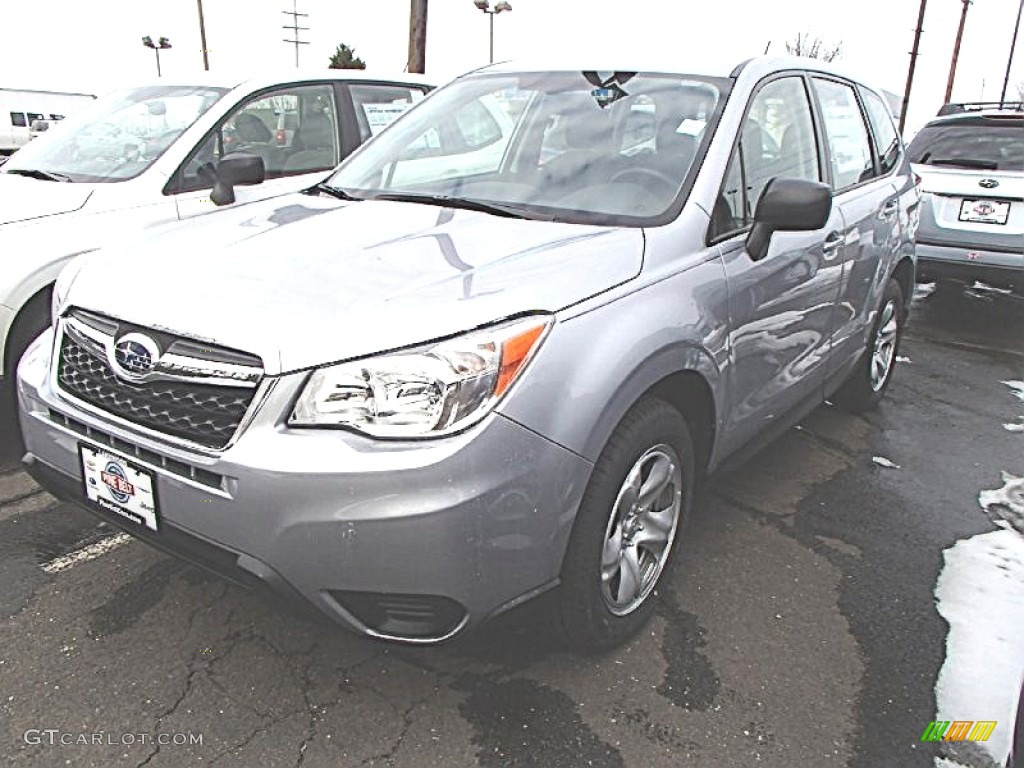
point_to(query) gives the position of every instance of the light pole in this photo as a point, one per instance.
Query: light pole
(162, 44)
(485, 6)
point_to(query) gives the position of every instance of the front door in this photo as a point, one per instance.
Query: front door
(781, 307)
(293, 128)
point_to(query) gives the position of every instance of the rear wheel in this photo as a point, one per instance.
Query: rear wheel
(870, 379)
(628, 527)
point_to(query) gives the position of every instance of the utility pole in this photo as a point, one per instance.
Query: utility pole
(1009, 61)
(913, 64)
(956, 50)
(417, 36)
(202, 37)
(295, 28)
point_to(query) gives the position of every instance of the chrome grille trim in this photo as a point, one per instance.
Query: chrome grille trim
(96, 334)
(172, 365)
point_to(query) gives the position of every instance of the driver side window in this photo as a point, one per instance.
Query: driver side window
(294, 130)
(777, 140)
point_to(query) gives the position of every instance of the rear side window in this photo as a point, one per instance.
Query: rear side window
(848, 142)
(988, 144)
(377, 106)
(887, 141)
(18, 120)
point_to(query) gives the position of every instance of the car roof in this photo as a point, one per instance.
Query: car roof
(980, 117)
(758, 66)
(260, 80)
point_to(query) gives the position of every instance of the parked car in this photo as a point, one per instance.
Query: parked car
(971, 164)
(145, 156)
(37, 128)
(415, 405)
(20, 109)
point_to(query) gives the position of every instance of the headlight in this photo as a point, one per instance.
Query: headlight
(423, 392)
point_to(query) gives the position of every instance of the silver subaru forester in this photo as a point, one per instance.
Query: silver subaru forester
(490, 355)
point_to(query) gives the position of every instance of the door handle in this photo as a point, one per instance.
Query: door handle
(833, 242)
(889, 208)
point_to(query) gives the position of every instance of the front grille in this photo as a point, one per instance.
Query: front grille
(206, 414)
(179, 468)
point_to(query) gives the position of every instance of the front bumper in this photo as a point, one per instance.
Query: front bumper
(412, 540)
(998, 268)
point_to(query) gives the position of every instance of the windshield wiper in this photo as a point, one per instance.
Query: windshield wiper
(966, 162)
(334, 191)
(35, 173)
(496, 209)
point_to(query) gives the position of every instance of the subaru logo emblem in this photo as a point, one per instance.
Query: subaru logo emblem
(135, 355)
(988, 183)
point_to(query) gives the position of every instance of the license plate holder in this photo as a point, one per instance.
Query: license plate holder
(984, 211)
(119, 486)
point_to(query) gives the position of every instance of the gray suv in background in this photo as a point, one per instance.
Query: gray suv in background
(971, 164)
(494, 353)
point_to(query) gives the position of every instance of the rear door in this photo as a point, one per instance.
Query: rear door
(868, 201)
(781, 307)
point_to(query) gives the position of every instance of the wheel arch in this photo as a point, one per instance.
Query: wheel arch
(35, 308)
(904, 275)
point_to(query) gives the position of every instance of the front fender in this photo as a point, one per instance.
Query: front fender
(597, 363)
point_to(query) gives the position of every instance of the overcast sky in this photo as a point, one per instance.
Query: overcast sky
(95, 46)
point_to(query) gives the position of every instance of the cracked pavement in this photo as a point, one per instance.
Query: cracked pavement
(800, 629)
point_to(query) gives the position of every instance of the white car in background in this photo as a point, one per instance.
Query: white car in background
(146, 156)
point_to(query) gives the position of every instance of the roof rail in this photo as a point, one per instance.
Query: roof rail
(956, 108)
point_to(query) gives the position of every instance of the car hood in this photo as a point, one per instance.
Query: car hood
(304, 280)
(23, 198)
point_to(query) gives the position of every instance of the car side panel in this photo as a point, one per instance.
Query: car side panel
(612, 349)
(872, 245)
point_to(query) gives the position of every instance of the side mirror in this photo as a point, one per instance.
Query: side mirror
(235, 170)
(788, 205)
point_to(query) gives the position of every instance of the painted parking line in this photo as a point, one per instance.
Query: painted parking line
(85, 554)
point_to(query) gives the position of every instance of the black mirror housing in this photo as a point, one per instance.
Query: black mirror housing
(788, 205)
(234, 170)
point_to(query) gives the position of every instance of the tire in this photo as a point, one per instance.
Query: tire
(870, 379)
(595, 613)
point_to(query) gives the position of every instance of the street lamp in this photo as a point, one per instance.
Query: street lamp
(161, 44)
(485, 6)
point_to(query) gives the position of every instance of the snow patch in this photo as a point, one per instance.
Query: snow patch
(884, 462)
(1006, 503)
(980, 593)
(980, 286)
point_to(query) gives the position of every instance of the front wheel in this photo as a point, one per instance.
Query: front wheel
(870, 379)
(628, 527)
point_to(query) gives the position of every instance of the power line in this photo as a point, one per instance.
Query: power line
(295, 28)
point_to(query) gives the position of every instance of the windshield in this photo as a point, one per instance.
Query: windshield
(588, 147)
(983, 144)
(115, 138)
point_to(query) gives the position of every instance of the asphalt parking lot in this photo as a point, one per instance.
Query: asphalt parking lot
(803, 628)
